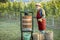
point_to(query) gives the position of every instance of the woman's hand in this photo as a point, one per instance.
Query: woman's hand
(40, 20)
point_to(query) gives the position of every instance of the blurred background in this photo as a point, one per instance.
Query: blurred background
(10, 17)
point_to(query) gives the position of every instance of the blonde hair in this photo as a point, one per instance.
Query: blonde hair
(38, 4)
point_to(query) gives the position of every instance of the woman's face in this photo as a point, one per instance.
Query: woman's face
(38, 7)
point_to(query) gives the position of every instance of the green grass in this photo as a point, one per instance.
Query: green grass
(10, 30)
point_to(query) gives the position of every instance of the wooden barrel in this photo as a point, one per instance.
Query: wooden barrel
(27, 22)
(49, 35)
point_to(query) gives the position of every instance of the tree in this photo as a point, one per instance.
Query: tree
(3, 1)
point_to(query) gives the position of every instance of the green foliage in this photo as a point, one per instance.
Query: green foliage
(31, 6)
(11, 8)
(3, 1)
(51, 7)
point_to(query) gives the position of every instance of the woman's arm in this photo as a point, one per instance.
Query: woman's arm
(43, 15)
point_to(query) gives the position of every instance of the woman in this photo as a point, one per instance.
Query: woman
(41, 18)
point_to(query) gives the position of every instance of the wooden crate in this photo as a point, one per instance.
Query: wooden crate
(27, 23)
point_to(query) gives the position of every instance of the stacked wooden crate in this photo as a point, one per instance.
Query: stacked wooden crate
(27, 23)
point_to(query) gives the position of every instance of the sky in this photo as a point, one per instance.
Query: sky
(29, 0)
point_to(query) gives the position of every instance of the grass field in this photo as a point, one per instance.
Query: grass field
(10, 30)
